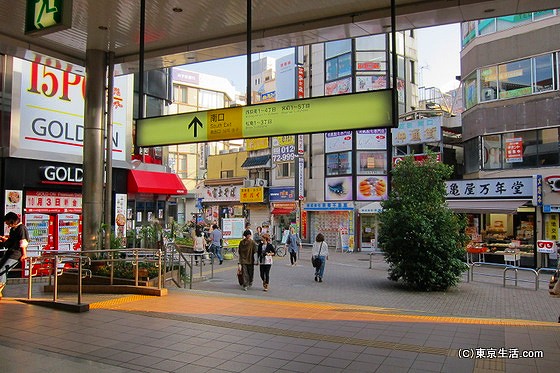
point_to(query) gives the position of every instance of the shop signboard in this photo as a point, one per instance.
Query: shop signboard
(251, 194)
(221, 193)
(338, 141)
(281, 194)
(374, 139)
(546, 246)
(417, 131)
(490, 188)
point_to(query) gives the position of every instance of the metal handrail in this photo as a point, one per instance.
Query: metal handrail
(515, 268)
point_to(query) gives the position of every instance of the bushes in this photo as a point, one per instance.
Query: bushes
(423, 241)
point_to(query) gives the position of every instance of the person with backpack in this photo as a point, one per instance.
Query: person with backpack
(293, 242)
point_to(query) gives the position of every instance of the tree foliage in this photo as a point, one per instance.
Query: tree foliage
(422, 239)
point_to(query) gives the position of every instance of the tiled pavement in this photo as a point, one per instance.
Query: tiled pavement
(355, 321)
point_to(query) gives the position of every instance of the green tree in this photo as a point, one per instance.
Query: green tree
(422, 239)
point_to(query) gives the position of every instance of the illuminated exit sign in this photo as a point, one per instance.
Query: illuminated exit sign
(46, 16)
(332, 113)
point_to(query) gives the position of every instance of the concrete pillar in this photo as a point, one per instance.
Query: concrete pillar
(92, 190)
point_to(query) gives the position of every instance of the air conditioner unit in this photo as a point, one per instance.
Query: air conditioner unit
(248, 183)
(261, 182)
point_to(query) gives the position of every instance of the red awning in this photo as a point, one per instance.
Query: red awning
(155, 183)
(281, 211)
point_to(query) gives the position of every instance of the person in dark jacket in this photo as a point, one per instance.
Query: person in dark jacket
(265, 253)
(15, 243)
(247, 250)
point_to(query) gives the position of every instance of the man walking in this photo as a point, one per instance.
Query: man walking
(216, 242)
(247, 249)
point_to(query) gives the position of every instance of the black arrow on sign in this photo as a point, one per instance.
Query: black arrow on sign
(196, 123)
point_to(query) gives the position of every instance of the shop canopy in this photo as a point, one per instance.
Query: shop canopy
(371, 208)
(257, 162)
(281, 211)
(486, 206)
(155, 183)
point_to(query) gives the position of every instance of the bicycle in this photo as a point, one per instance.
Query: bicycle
(280, 248)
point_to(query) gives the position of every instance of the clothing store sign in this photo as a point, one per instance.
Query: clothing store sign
(491, 188)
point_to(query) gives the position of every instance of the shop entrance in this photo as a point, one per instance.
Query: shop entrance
(368, 232)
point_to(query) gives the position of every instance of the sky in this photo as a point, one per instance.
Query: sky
(438, 60)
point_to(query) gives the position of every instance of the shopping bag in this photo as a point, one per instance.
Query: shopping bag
(240, 274)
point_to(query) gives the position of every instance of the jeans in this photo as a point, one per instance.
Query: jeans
(293, 257)
(217, 250)
(7, 264)
(265, 273)
(319, 271)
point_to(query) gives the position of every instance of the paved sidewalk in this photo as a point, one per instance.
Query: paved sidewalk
(355, 321)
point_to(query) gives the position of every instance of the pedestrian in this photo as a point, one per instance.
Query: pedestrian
(320, 250)
(15, 243)
(216, 242)
(247, 250)
(257, 236)
(199, 247)
(294, 245)
(265, 253)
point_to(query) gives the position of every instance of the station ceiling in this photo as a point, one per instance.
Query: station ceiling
(179, 32)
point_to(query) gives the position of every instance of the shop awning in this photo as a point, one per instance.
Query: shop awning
(257, 162)
(486, 206)
(281, 211)
(155, 183)
(371, 208)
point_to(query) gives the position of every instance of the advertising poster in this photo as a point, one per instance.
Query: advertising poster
(371, 188)
(120, 217)
(514, 150)
(374, 139)
(338, 141)
(338, 188)
(50, 118)
(13, 203)
(233, 227)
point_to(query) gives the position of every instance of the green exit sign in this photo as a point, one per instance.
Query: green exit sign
(46, 16)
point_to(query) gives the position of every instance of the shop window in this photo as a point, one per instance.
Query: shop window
(543, 72)
(472, 155)
(515, 79)
(338, 67)
(492, 152)
(338, 163)
(488, 83)
(548, 147)
(520, 149)
(470, 91)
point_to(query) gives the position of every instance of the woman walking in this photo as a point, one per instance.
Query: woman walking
(320, 250)
(294, 244)
(265, 253)
(199, 247)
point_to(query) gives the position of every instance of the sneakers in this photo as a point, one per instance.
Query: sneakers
(245, 288)
(316, 278)
(221, 261)
(265, 287)
(320, 279)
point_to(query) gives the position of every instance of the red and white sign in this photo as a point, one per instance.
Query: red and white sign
(514, 150)
(369, 66)
(53, 202)
(547, 247)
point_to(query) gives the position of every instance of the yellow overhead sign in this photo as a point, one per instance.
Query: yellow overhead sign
(353, 111)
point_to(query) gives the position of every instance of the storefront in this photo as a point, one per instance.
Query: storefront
(335, 220)
(502, 217)
(368, 224)
(283, 209)
(255, 203)
(48, 197)
(221, 202)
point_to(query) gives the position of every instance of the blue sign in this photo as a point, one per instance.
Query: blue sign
(282, 194)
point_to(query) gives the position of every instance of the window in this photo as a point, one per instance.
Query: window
(470, 91)
(472, 155)
(519, 149)
(543, 73)
(548, 149)
(336, 48)
(338, 163)
(285, 170)
(338, 67)
(515, 79)
(226, 174)
(182, 166)
(488, 83)
(491, 152)
(374, 42)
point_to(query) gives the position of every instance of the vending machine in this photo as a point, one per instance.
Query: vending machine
(68, 232)
(41, 237)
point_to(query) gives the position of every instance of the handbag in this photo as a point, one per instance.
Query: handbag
(268, 259)
(316, 261)
(554, 285)
(240, 274)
